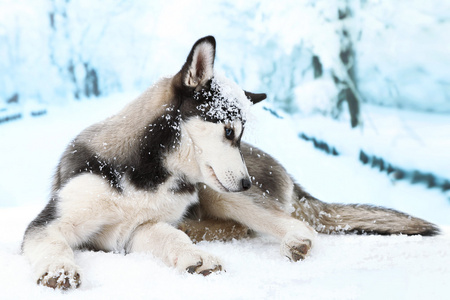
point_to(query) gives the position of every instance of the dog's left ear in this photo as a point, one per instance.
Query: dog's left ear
(255, 98)
(199, 66)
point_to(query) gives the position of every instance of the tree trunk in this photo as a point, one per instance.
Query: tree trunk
(347, 56)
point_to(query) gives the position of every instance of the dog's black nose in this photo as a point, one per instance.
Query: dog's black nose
(246, 184)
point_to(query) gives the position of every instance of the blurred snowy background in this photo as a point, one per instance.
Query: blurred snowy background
(379, 67)
(394, 53)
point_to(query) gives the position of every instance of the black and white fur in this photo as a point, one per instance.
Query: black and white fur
(123, 183)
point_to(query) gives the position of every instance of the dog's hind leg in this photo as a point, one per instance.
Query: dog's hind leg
(174, 247)
(77, 216)
(213, 230)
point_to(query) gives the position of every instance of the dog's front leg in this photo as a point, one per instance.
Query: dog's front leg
(296, 236)
(52, 257)
(174, 247)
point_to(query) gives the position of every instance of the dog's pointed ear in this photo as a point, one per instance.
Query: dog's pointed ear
(255, 98)
(199, 66)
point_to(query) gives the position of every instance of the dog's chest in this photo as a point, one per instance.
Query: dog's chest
(135, 207)
(167, 204)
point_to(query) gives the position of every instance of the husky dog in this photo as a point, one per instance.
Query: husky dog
(125, 183)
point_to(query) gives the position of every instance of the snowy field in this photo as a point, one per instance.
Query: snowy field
(340, 267)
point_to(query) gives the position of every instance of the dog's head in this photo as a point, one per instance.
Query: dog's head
(214, 112)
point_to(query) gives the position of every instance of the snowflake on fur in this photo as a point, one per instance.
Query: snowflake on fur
(226, 101)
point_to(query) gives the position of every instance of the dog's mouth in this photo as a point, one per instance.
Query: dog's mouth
(219, 184)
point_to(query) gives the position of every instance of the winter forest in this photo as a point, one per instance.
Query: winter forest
(358, 111)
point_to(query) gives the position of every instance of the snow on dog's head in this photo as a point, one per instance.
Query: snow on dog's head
(222, 100)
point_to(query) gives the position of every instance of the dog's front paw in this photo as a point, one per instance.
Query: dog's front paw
(198, 262)
(295, 247)
(60, 279)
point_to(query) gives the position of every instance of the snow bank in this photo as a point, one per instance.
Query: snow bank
(406, 139)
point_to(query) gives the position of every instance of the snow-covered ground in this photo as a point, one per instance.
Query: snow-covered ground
(410, 139)
(340, 267)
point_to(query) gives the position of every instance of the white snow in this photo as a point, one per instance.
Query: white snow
(340, 267)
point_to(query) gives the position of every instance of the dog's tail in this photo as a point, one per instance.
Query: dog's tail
(356, 218)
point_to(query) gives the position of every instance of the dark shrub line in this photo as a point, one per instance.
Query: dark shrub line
(394, 172)
(12, 117)
(320, 144)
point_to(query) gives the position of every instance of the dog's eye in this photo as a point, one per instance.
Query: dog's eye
(229, 133)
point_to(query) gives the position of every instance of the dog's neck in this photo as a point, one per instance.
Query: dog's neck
(182, 161)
